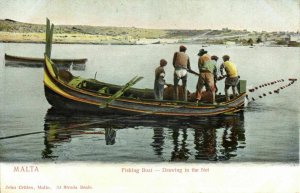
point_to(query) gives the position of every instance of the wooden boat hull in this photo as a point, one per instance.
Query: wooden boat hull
(18, 61)
(62, 96)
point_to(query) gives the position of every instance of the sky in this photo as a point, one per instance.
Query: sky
(253, 15)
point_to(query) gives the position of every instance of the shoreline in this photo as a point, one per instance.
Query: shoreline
(80, 39)
(133, 44)
(80, 43)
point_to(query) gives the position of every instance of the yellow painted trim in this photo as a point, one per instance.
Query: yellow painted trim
(126, 109)
(194, 114)
(234, 99)
(59, 91)
(173, 114)
(49, 66)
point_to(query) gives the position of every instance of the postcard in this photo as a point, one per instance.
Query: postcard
(180, 96)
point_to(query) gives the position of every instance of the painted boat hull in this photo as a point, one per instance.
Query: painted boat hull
(62, 96)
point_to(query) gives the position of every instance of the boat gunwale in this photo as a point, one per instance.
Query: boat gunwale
(33, 59)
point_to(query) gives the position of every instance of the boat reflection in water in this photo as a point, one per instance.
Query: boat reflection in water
(180, 139)
(214, 139)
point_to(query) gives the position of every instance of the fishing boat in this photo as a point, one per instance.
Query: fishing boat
(65, 91)
(19, 61)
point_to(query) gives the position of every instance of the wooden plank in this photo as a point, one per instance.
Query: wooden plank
(50, 40)
(242, 86)
(120, 92)
(47, 37)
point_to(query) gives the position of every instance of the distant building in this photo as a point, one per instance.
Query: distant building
(268, 43)
(286, 38)
(230, 43)
(128, 38)
(295, 38)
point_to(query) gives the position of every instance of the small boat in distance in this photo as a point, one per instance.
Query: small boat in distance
(20, 61)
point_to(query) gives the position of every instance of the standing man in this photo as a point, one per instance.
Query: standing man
(160, 82)
(181, 63)
(232, 77)
(206, 69)
(215, 60)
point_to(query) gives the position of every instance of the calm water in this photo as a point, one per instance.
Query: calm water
(268, 131)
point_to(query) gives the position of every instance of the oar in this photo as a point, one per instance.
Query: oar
(193, 72)
(120, 92)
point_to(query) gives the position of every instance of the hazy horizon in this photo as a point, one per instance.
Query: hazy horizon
(252, 15)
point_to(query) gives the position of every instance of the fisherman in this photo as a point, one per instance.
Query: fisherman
(181, 63)
(206, 69)
(159, 80)
(232, 77)
(215, 60)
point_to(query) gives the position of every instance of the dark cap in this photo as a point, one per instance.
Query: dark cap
(182, 48)
(226, 57)
(163, 62)
(214, 57)
(202, 52)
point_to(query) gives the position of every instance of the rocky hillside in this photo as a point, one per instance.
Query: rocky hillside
(8, 25)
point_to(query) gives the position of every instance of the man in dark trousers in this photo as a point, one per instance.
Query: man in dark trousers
(215, 60)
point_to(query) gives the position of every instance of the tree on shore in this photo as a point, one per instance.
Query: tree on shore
(258, 40)
(250, 41)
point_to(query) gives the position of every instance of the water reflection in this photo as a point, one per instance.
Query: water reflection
(180, 139)
(110, 136)
(219, 143)
(158, 141)
(180, 151)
